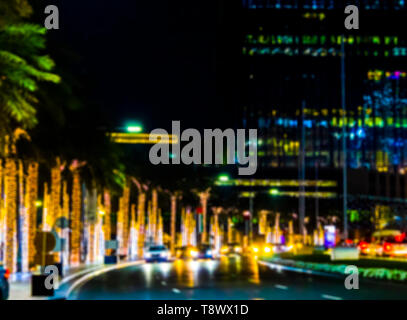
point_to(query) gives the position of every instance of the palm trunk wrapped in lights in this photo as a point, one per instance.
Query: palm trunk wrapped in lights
(155, 215)
(230, 230)
(23, 218)
(150, 223)
(76, 219)
(45, 209)
(204, 196)
(54, 206)
(31, 199)
(216, 234)
(107, 216)
(133, 233)
(107, 219)
(10, 186)
(123, 221)
(92, 216)
(160, 230)
(173, 222)
(65, 215)
(92, 238)
(141, 223)
(183, 228)
(2, 209)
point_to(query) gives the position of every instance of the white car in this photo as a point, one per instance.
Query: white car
(157, 253)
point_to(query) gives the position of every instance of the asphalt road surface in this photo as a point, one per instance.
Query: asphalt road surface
(234, 278)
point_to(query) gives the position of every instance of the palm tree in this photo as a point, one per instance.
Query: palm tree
(23, 65)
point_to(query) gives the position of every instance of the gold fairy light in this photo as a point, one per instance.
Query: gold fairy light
(123, 220)
(10, 186)
(126, 206)
(119, 227)
(106, 216)
(2, 222)
(76, 219)
(204, 196)
(31, 199)
(55, 196)
(65, 214)
(141, 223)
(173, 221)
(155, 215)
(160, 231)
(149, 213)
(24, 218)
(91, 243)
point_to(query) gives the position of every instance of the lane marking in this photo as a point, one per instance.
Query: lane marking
(327, 296)
(279, 286)
(175, 290)
(97, 273)
(79, 273)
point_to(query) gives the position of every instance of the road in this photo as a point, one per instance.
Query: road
(235, 278)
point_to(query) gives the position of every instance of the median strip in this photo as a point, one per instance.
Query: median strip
(329, 297)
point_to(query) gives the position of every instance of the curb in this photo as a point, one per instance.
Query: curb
(279, 267)
(93, 274)
(381, 274)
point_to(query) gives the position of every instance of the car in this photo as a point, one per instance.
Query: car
(231, 249)
(267, 249)
(385, 243)
(393, 246)
(4, 285)
(157, 253)
(187, 252)
(206, 251)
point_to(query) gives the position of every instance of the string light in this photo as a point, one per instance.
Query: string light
(173, 221)
(123, 219)
(10, 186)
(23, 218)
(2, 216)
(65, 214)
(76, 219)
(45, 226)
(141, 223)
(154, 215)
(31, 203)
(55, 209)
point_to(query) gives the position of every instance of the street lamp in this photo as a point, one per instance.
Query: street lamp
(223, 178)
(134, 128)
(274, 192)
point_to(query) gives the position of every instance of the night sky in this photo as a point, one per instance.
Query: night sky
(152, 60)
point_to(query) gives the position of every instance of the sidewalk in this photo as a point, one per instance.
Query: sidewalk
(20, 283)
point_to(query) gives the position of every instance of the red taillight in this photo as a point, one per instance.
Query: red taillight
(387, 247)
(363, 245)
(7, 274)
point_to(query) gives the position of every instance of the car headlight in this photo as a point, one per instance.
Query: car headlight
(194, 253)
(255, 249)
(147, 255)
(267, 249)
(238, 249)
(209, 252)
(164, 254)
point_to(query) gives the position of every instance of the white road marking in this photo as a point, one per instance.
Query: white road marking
(327, 296)
(279, 286)
(175, 290)
(79, 273)
(97, 273)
